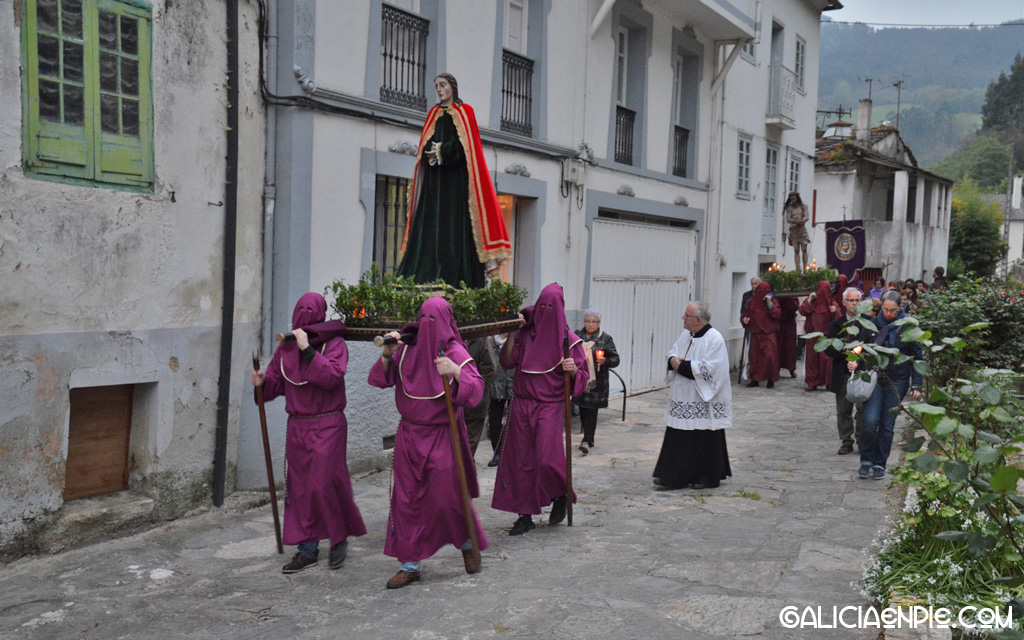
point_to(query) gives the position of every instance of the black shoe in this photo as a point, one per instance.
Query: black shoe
(558, 511)
(752, 383)
(792, 373)
(299, 563)
(771, 384)
(584, 449)
(522, 525)
(494, 461)
(338, 554)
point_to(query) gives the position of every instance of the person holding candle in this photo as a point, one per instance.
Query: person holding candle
(602, 354)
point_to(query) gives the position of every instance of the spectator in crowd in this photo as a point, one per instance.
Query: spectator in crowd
(820, 310)
(501, 396)
(600, 350)
(849, 428)
(486, 359)
(878, 289)
(908, 298)
(876, 307)
(939, 279)
(893, 384)
(921, 286)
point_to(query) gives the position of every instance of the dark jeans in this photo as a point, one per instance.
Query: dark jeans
(588, 420)
(495, 422)
(879, 419)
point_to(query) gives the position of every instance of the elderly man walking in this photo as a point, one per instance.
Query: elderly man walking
(694, 453)
(849, 427)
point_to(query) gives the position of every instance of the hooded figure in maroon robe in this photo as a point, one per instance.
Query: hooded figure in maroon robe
(786, 334)
(820, 309)
(426, 500)
(837, 293)
(319, 501)
(763, 311)
(531, 469)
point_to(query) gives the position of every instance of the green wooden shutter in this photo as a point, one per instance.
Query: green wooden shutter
(124, 111)
(88, 113)
(58, 114)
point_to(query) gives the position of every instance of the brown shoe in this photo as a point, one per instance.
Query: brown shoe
(845, 448)
(472, 559)
(403, 578)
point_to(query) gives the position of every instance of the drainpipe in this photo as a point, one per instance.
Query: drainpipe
(220, 449)
(270, 183)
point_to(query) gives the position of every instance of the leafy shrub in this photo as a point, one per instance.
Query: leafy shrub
(969, 301)
(384, 299)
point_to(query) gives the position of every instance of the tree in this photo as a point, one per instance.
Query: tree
(1004, 99)
(975, 230)
(983, 160)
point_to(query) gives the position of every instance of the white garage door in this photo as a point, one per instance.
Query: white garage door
(642, 281)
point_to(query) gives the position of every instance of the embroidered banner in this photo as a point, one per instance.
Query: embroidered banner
(845, 243)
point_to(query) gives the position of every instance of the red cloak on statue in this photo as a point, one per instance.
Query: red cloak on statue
(489, 233)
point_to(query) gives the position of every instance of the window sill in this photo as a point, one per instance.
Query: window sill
(743, 196)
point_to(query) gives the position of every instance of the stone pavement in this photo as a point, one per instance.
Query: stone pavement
(791, 527)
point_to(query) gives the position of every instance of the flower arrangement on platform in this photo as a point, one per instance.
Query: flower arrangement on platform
(805, 281)
(385, 299)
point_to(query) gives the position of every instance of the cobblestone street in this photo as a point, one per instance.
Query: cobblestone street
(789, 528)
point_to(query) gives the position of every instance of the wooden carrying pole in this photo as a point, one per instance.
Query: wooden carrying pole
(568, 436)
(266, 454)
(467, 505)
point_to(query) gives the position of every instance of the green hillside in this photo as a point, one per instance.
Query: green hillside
(945, 73)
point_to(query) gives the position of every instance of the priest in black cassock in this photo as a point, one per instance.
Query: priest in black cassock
(699, 410)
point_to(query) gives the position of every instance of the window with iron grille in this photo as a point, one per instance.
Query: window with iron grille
(403, 50)
(743, 167)
(624, 120)
(516, 93)
(87, 92)
(391, 203)
(682, 144)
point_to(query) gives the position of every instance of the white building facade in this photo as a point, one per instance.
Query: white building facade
(871, 175)
(641, 151)
(114, 202)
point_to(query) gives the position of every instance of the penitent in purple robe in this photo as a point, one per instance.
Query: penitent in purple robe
(319, 501)
(426, 501)
(531, 468)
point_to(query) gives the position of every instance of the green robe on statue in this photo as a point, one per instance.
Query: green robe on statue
(441, 241)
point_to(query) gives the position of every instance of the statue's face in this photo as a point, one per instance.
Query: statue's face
(444, 90)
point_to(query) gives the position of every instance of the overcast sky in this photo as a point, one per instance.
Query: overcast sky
(931, 11)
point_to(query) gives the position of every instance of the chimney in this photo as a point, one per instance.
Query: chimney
(864, 120)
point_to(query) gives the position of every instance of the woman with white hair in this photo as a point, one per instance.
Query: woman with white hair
(602, 353)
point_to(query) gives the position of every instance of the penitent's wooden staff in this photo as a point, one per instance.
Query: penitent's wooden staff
(467, 506)
(568, 436)
(266, 454)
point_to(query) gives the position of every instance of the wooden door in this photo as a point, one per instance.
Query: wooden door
(98, 437)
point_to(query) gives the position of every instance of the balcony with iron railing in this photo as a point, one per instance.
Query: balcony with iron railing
(404, 58)
(782, 98)
(681, 147)
(516, 93)
(624, 120)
